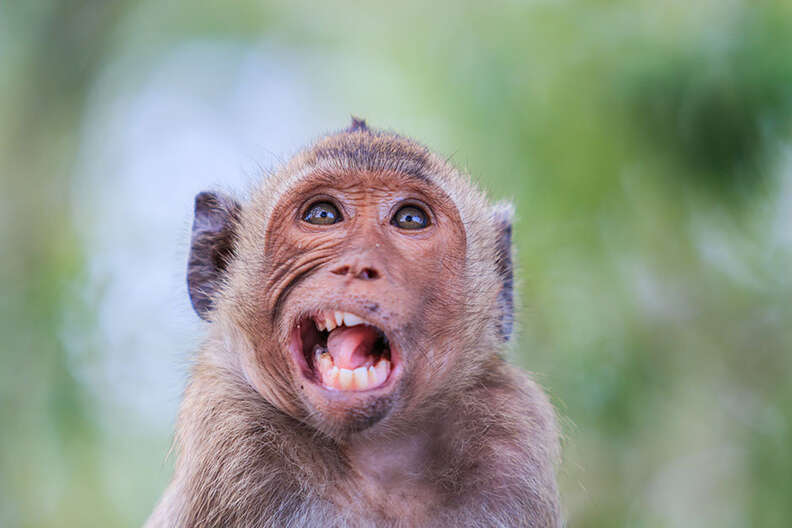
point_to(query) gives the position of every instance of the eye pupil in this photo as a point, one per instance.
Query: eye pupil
(410, 217)
(322, 213)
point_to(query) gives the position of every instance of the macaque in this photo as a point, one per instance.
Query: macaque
(360, 303)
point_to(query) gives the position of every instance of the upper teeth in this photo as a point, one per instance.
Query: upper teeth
(330, 320)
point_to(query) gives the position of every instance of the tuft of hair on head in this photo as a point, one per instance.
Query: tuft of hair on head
(358, 125)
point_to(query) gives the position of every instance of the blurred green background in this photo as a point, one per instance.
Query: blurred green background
(647, 146)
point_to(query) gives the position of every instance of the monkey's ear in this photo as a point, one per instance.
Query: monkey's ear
(212, 245)
(502, 218)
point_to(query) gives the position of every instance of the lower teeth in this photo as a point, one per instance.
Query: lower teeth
(361, 378)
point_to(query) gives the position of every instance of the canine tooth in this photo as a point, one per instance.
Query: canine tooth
(352, 320)
(330, 323)
(339, 318)
(331, 377)
(345, 378)
(361, 377)
(381, 369)
(325, 362)
(319, 324)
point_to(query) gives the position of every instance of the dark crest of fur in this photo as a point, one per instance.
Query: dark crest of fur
(358, 125)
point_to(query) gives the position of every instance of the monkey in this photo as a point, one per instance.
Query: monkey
(360, 310)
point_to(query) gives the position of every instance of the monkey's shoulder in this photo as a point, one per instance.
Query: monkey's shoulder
(512, 398)
(510, 433)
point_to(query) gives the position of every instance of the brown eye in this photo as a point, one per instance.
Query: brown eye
(410, 217)
(322, 213)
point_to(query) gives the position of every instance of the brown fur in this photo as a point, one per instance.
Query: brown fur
(463, 439)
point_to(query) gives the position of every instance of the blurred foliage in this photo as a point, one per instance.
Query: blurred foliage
(645, 144)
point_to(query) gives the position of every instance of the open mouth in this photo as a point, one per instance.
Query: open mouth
(343, 352)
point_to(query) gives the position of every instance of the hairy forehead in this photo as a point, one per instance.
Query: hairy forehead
(373, 152)
(369, 157)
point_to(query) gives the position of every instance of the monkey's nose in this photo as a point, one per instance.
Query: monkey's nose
(357, 271)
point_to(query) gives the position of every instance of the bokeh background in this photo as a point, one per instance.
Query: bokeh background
(647, 145)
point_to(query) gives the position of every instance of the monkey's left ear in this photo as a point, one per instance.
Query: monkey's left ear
(212, 246)
(502, 218)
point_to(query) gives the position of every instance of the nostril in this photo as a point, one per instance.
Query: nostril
(363, 273)
(343, 270)
(368, 273)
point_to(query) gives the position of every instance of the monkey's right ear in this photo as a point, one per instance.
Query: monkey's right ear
(212, 246)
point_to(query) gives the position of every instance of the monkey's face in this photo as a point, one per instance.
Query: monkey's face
(348, 288)
(364, 272)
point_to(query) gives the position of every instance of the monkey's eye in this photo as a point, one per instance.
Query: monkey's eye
(322, 213)
(410, 217)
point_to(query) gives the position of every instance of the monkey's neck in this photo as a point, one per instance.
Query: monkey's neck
(277, 456)
(391, 479)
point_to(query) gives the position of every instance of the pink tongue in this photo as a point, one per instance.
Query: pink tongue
(350, 346)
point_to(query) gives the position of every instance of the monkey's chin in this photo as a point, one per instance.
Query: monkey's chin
(348, 365)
